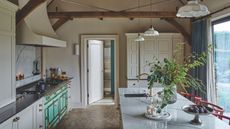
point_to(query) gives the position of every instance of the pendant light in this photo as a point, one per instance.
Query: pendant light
(139, 38)
(193, 9)
(151, 31)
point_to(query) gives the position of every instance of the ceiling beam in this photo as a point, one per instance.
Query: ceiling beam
(217, 11)
(29, 7)
(97, 14)
(179, 29)
(182, 2)
(50, 3)
(60, 22)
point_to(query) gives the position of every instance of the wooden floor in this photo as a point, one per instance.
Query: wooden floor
(93, 117)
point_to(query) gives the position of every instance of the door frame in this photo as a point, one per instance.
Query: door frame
(84, 62)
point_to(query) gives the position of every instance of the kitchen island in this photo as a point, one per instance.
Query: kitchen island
(133, 109)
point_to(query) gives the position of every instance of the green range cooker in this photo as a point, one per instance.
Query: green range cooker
(55, 106)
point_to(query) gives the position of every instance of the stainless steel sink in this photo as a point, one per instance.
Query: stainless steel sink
(135, 95)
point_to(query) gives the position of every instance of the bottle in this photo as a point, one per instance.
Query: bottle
(59, 71)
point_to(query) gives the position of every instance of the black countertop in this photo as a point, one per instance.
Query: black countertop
(27, 100)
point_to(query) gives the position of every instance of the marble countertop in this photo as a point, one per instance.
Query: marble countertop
(28, 99)
(133, 109)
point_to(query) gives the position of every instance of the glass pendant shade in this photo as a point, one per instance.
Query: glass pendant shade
(193, 9)
(151, 32)
(139, 38)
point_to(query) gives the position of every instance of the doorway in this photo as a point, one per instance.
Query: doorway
(95, 71)
(101, 72)
(99, 64)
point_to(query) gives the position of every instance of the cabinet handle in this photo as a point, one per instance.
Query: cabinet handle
(15, 120)
(40, 105)
(40, 126)
(40, 110)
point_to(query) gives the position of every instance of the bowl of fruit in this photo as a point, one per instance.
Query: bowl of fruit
(197, 110)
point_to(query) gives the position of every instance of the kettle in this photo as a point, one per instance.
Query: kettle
(41, 86)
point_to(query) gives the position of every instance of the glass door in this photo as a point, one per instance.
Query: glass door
(221, 41)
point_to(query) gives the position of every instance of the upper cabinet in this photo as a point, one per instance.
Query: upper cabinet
(7, 52)
(139, 55)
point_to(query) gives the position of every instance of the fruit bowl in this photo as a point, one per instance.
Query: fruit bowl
(197, 110)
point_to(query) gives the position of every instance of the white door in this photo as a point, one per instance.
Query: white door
(95, 73)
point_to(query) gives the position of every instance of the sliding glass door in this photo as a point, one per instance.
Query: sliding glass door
(221, 41)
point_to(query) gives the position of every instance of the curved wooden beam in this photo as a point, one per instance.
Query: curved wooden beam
(179, 29)
(60, 22)
(27, 9)
(107, 14)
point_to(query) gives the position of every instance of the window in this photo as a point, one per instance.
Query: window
(221, 44)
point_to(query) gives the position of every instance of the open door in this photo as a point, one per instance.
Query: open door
(95, 70)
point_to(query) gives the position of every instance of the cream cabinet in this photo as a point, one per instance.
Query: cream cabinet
(25, 119)
(139, 55)
(30, 118)
(39, 115)
(9, 124)
(7, 52)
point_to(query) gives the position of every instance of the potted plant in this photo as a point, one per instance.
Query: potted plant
(171, 75)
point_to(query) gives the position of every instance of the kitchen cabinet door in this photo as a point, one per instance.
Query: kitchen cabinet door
(7, 52)
(39, 115)
(69, 106)
(132, 57)
(9, 124)
(148, 51)
(62, 103)
(164, 47)
(178, 48)
(6, 69)
(56, 108)
(26, 118)
(49, 114)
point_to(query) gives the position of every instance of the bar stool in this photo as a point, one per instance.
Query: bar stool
(217, 110)
(222, 117)
(195, 99)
